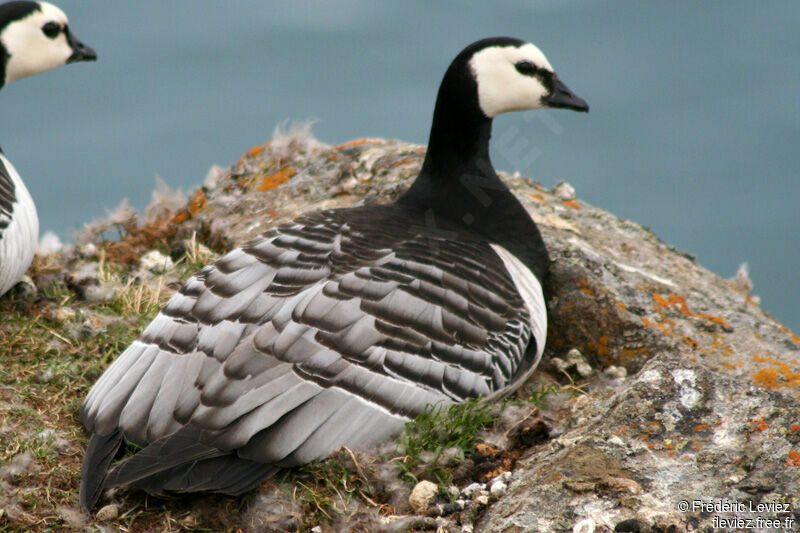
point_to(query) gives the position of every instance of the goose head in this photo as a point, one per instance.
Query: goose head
(35, 37)
(514, 75)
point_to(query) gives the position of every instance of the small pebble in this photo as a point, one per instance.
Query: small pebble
(155, 262)
(616, 372)
(469, 490)
(64, 314)
(109, 512)
(498, 488)
(564, 191)
(587, 525)
(422, 495)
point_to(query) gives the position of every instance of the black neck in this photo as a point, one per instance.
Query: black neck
(458, 183)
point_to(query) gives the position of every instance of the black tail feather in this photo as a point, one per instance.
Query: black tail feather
(101, 451)
(181, 448)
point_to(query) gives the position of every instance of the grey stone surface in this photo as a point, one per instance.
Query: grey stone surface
(708, 411)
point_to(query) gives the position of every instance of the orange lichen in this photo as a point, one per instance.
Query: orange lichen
(180, 217)
(678, 302)
(788, 332)
(647, 322)
(256, 151)
(485, 449)
(197, 202)
(571, 203)
(538, 198)
(767, 378)
(793, 459)
(672, 300)
(600, 347)
(794, 427)
(690, 341)
(716, 319)
(358, 142)
(273, 180)
(622, 306)
(585, 289)
(781, 375)
(701, 427)
(404, 161)
(759, 425)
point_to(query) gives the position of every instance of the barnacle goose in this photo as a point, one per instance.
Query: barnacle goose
(34, 37)
(340, 326)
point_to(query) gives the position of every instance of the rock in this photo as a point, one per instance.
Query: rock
(564, 191)
(671, 356)
(498, 488)
(615, 372)
(107, 513)
(574, 361)
(64, 314)
(24, 289)
(470, 490)
(155, 262)
(422, 496)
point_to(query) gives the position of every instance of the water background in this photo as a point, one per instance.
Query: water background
(694, 129)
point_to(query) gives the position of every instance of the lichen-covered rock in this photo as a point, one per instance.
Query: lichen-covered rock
(675, 432)
(709, 409)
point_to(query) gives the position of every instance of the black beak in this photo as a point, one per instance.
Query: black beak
(80, 52)
(562, 97)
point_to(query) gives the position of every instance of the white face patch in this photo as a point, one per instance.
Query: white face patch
(501, 88)
(30, 50)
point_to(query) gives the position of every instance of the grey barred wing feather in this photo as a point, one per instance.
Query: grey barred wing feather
(7, 196)
(332, 330)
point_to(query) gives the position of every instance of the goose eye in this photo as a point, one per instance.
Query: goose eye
(51, 29)
(526, 68)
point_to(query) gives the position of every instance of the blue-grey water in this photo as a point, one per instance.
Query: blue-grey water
(694, 129)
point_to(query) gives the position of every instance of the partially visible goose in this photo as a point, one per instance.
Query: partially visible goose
(34, 37)
(337, 328)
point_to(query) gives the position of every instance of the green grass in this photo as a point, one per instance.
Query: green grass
(436, 430)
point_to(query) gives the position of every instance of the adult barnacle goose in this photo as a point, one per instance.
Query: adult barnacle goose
(34, 37)
(338, 327)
